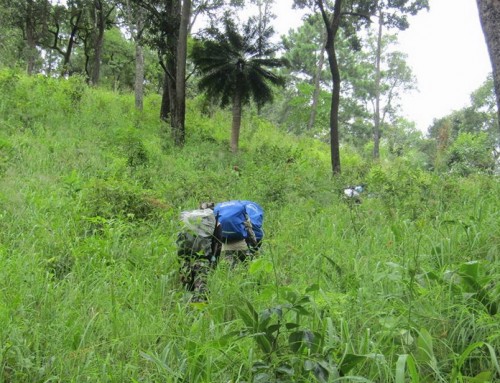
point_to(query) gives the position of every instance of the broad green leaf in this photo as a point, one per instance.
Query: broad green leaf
(400, 368)
(291, 325)
(262, 325)
(494, 357)
(319, 371)
(350, 361)
(406, 360)
(471, 270)
(295, 340)
(301, 310)
(252, 312)
(247, 319)
(263, 342)
(285, 369)
(273, 328)
(425, 352)
(260, 265)
(262, 377)
(482, 377)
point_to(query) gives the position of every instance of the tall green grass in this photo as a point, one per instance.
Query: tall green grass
(400, 288)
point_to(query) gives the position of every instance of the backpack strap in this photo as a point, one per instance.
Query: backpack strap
(216, 241)
(251, 238)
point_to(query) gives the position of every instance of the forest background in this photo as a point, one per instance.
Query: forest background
(402, 287)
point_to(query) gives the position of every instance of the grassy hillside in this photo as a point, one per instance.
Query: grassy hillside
(403, 287)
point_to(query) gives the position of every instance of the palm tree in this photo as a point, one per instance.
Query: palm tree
(236, 68)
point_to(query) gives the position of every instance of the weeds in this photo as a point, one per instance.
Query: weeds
(402, 287)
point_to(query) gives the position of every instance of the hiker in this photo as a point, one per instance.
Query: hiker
(241, 231)
(198, 246)
(354, 193)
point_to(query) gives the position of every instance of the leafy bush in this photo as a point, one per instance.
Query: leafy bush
(112, 198)
(471, 153)
(400, 287)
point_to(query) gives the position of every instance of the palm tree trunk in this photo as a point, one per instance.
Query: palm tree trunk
(235, 129)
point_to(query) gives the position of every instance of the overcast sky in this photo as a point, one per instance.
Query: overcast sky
(446, 51)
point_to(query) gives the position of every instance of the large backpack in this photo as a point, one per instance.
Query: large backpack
(231, 216)
(256, 214)
(198, 237)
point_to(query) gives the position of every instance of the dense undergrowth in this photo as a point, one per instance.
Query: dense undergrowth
(402, 287)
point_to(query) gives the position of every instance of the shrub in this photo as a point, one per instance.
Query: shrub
(471, 153)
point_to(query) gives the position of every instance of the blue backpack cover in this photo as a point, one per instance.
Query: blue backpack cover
(231, 215)
(256, 214)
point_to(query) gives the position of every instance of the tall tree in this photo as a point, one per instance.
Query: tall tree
(387, 18)
(332, 24)
(478, 117)
(30, 17)
(134, 20)
(307, 110)
(305, 49)
(317, 84)
(66, 22)
(489, 15)
(387, 78)
(100, 16)
(331, 17)
(167, 26)
(161, 33)
(352, 15)
(376, 115)
(179, 115)
(80, 24)
(236, 69)
(11, 38)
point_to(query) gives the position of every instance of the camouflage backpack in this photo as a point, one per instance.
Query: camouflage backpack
(197, 238)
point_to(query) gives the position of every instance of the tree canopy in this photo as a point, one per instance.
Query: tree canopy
(237, 67)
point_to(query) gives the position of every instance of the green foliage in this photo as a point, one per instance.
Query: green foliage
(401, 287)
(237, 62)
(471, 153)
(292, 352)
(466, 141)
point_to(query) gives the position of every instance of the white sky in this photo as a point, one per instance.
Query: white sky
(446, 51)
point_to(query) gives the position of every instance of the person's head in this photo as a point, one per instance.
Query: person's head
(207, 205)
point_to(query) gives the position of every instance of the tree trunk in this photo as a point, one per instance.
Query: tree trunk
(235, 128)
(165, 99)
(100, 24)
(317, 78)
(178, 118)
(139, 61)
(332, 27)
(139, 77)
(75, 22)
(168, 60)
(376, 119)
(135, 21)
(489, 15)
(30, 37)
